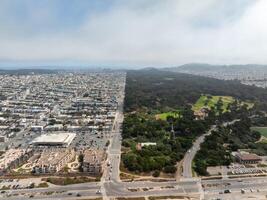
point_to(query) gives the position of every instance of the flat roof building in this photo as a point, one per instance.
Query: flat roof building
(248, 158)
(53, 160)
(54, 139)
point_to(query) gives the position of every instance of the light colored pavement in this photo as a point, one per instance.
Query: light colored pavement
(254, 187)
(111, 186)
(190, 154)
(112, 189)
(211, 189)
(114, 149)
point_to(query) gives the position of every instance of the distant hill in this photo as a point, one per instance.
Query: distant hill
(27, 71)
(203, 68)
(251, 74)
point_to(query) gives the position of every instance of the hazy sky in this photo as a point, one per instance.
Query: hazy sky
(132, 32)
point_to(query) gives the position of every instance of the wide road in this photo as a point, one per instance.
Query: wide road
(111, 189)
(190, 154)
(112, 167)
(197, 189)
(254, 186)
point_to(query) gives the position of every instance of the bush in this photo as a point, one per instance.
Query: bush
(170, 169)
(42, 185)
(156, 173)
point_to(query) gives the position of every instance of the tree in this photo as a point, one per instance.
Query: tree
(170, 169)
(80, 158)
(156, 173)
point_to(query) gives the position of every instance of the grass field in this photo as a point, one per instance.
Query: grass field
(205, 101)
(163, 116)
(261, 130)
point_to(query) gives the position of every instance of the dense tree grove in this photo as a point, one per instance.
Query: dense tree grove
(158, 89)
(153, 91)
(217, 148)
(171, 146)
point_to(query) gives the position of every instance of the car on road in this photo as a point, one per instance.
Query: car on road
(227, 191)
(98, 192)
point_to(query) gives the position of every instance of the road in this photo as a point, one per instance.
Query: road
(112, 189)
(256, 186)
(110, 185)
(114, 150)
(211, 188)
(190, 154)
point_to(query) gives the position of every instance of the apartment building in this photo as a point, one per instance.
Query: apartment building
(93, 161)
(53, 160)
(13, 158)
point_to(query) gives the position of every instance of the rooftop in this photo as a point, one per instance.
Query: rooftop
(54, 139)
(93, 156)
(248, 156)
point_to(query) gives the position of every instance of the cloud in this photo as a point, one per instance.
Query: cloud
(133, 33)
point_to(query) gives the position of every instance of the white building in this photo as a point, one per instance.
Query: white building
(54, 139)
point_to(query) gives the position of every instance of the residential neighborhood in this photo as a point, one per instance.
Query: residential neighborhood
(47, 121)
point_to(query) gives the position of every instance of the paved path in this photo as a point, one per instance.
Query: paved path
(190, 154)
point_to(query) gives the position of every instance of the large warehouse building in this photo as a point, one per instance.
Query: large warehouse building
(54, 139)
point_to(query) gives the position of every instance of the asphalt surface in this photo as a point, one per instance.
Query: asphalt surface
(110, 185)
(190, 154)
(212, 189)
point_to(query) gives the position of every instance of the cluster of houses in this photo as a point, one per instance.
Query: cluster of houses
(48, 120)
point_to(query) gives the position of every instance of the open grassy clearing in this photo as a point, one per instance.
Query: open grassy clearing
(261, 130)
(205, 101)
(209, 101)
(163, 116)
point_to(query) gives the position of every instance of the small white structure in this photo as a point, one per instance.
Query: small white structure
(144, 144)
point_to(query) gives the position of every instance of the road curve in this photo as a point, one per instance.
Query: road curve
(190, 154)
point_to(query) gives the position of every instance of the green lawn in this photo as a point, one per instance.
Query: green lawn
(261, 130)
(204, 101)
(163, 116)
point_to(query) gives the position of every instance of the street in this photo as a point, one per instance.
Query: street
(190, 154)
(111, 186)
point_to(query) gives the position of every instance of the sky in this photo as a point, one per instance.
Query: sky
(132, 33)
